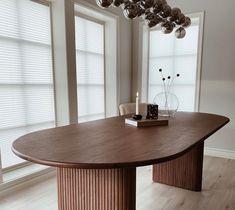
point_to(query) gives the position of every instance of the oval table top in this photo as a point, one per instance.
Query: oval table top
(110, 143)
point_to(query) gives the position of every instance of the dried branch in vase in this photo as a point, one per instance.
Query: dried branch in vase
(167, 101)
(170, 80)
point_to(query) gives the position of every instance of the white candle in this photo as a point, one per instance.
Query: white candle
(137, 104)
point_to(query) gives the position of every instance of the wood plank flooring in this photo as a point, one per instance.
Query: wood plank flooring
(218, 191)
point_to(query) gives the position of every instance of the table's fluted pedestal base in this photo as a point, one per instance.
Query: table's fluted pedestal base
(96, 189)
(184, 172)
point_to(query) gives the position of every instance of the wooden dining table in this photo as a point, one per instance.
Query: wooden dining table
(96, 161)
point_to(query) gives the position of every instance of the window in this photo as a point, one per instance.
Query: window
(90, 69)
(175, 56)
(26, 76)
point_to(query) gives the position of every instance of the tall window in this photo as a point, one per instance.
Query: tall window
(90, 69)
(26, 76)
(175, 56)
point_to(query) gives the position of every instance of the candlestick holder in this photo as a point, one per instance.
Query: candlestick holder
(137, 117)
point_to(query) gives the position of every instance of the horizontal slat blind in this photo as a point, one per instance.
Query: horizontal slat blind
(174, 56)
(26, 76)
(90, 69)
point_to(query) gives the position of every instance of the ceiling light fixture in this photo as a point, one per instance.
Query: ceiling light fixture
(154, 12)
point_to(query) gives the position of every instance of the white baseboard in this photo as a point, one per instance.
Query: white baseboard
(229, 154)
(27, 178)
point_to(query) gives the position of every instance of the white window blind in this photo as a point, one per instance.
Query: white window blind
(26, 76)
(90, 69)
(175, 56)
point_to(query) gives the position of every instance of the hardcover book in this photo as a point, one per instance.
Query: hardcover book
(146, 122)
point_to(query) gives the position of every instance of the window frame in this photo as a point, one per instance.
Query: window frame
(112, 65)
(143, 71)
(26, 163)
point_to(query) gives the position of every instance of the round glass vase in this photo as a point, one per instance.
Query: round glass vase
(168, 104)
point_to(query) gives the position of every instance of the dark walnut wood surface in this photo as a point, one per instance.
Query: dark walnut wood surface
(110, 143)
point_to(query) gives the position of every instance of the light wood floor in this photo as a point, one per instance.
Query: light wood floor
(218, 192)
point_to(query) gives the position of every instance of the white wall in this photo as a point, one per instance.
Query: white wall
(218, 64)
(60, 63)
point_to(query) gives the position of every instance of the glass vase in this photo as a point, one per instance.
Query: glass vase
(168, 104)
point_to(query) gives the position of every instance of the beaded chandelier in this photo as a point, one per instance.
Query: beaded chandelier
(154, 12)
